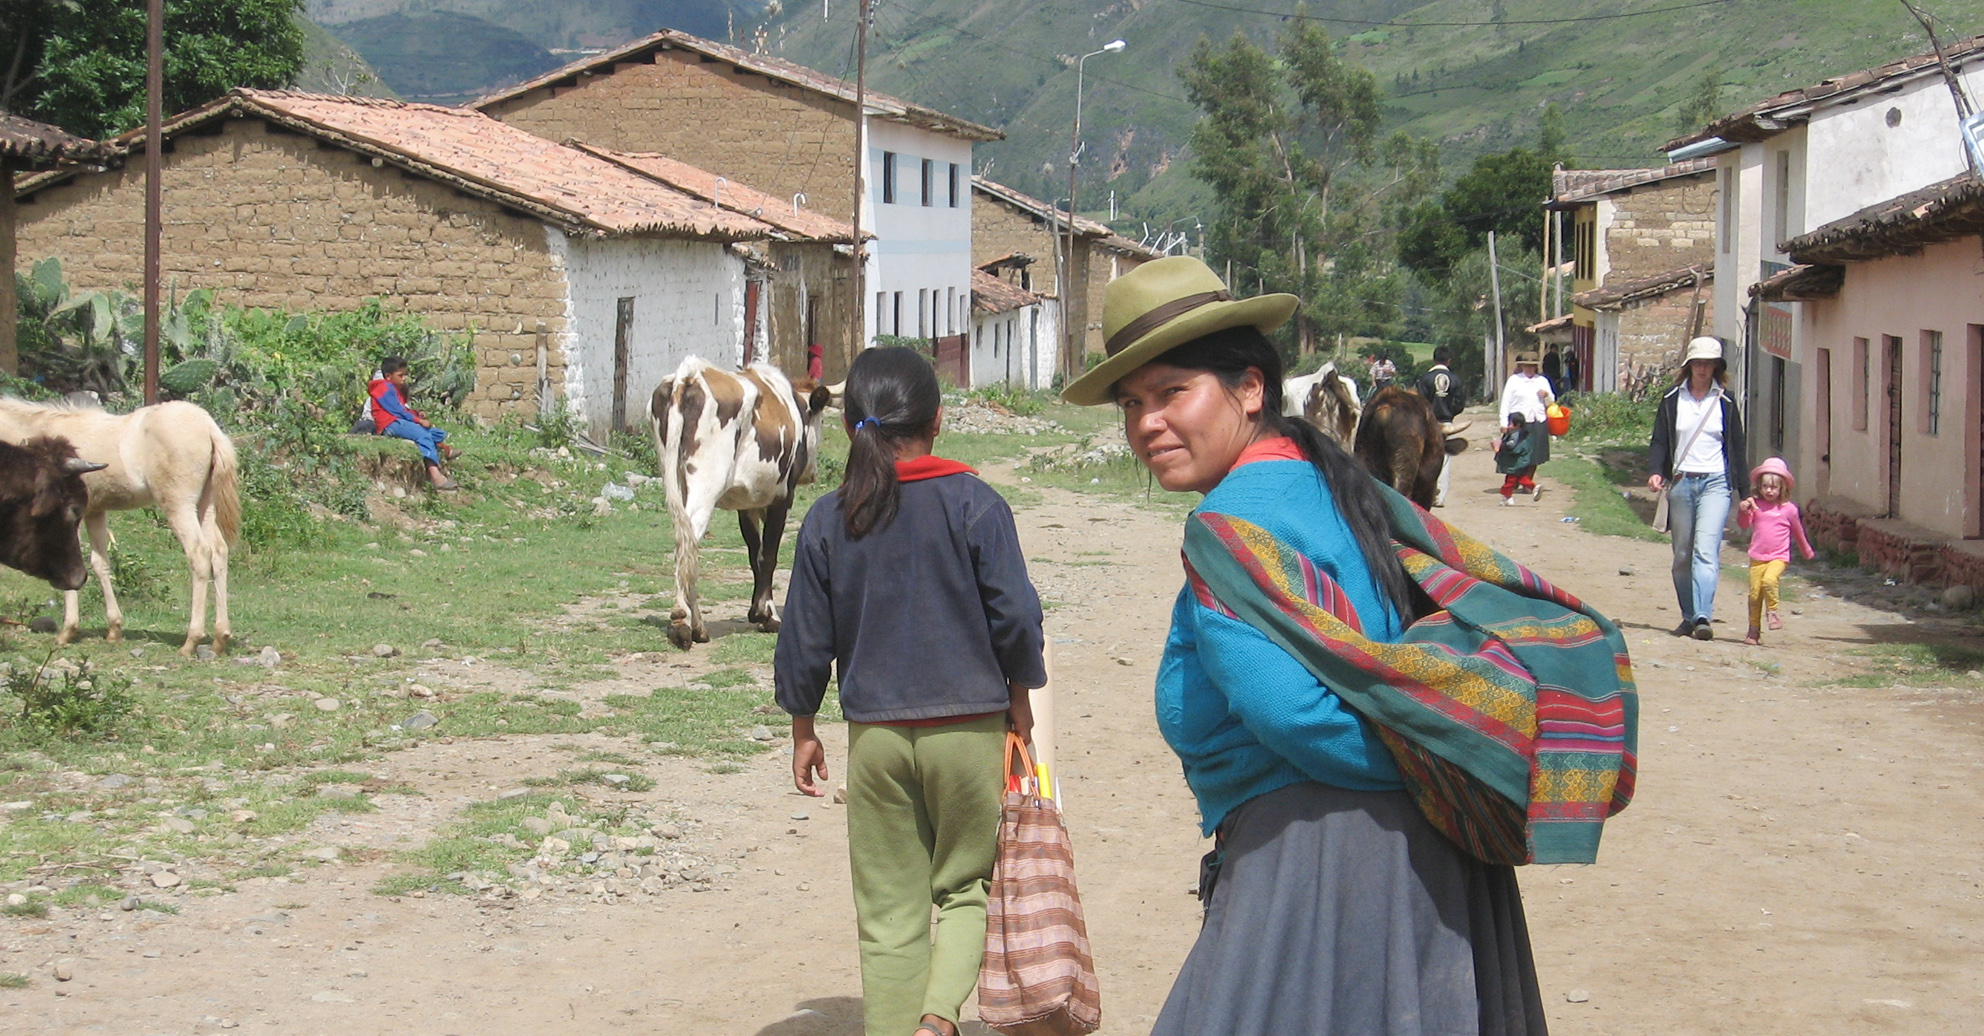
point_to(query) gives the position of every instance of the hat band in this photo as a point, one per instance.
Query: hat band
(1159, 316)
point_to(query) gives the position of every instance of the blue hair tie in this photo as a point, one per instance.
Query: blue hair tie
(867, 422)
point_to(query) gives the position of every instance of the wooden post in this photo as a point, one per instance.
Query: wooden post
(543, 378)
(154, 172)
(10, 355)
(1495, 286)
(623, 332)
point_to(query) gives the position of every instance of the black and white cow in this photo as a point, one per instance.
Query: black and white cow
(741, 441)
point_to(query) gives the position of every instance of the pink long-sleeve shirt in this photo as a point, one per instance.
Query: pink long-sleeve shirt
(1771, 528)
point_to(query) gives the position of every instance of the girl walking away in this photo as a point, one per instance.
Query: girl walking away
(1773, 522)
(1512, 459)
(909, 585)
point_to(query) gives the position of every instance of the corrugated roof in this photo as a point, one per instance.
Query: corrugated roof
(878, 105)
(1625, 293)
(1036, 208)
(1939, 212)
(38, 142)
(991, 295)
(578, 192)
(1768, 116)
(1570, 186)
(795, 220)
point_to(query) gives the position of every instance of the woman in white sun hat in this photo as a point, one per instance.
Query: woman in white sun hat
(1696, 455)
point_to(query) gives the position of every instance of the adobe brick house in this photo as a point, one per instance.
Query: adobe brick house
(26, 145)
(789, 131)
(576, 276)
(1639, 238)
(1006, 222)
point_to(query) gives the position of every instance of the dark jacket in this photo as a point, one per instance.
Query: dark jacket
(1441, 387)
(1668, 440)
(1518, 452)
(927, 617)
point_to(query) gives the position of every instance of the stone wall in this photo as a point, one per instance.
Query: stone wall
(1661, 226)
(271, 219)
(1656, 332)
(998, 229)
(752, 129)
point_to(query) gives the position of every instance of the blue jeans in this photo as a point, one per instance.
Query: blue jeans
(429, 439)
(1697, 510)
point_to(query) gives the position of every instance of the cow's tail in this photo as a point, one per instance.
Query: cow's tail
(224, 486)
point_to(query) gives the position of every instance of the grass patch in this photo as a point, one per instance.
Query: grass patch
(1596, 486)
(485, 841)
(591, 775)
(1918, 665)
(87, 896)
(13, 980)
(744, 649)
(35, 906)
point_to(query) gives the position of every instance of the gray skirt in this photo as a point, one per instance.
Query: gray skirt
(1343, 913)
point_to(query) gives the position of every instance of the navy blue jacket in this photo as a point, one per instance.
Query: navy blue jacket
(927, 617)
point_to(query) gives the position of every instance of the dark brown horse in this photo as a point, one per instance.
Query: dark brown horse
(1400, 441)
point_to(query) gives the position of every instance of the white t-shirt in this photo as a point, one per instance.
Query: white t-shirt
(1705, 456)
(1519, 397)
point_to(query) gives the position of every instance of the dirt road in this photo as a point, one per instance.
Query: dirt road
(1802, 857)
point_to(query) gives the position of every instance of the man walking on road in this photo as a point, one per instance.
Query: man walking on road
(1441, 387)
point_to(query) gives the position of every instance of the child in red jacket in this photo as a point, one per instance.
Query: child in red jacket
(393, 417)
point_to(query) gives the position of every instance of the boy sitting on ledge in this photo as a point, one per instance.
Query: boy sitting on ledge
(391, 416)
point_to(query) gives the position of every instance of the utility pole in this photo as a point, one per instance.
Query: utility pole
(1495, 286)
(154, 172)
(860, 340)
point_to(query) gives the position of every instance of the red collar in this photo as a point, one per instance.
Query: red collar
(929, 466)
(1281, 447)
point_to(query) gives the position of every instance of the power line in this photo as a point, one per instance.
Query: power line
(1467, 25)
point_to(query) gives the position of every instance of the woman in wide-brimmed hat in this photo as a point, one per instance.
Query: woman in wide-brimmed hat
(1526, 394)
(1696, 455)
(1332, 904)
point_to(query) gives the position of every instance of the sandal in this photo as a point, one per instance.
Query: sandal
(1775, 622)
(1754, 637)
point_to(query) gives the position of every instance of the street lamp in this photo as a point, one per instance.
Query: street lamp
(1075, 334)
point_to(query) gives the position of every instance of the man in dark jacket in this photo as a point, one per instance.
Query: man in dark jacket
(1440, 386)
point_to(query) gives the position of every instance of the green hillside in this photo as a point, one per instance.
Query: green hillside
(560, 27)
(1471, 74)
(330, 66)
(444, 57)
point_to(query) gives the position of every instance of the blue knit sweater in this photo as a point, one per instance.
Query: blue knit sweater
(1243, 715)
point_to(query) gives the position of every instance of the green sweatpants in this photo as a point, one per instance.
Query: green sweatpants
(922, 829)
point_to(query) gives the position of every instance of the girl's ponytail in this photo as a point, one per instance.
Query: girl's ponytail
(891, 397)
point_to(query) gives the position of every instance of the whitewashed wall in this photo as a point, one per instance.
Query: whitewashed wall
(1015, 348)
(919, 249)
(1864, 160)
(688, 301)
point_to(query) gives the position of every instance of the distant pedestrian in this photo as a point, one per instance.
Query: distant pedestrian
(1573, 371)
(1553, 370)
(1774, 524)
(909, 584)
(1695, 454)
(1383, 372)
(1514, 458)
(1442, 390)
(1528, 394)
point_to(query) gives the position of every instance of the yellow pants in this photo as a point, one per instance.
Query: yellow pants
(1763, 589)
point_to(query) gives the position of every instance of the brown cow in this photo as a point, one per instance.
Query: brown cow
(1400, 441)
(42, 498)
(742, 441)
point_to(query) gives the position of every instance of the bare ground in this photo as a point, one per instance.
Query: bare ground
(1802, 856)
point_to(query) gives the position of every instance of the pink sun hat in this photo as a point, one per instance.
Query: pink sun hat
(1774, 466)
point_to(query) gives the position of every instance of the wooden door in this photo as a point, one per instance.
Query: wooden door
(623, 333)
(1822, 425)
(1893, 348)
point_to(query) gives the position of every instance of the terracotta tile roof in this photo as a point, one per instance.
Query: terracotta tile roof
(795, 221)
(1036, 208)
(1119, 243)
(1547, 326)
(575, 191)
(1570, 186)
(878, 105)
(1625, 293)
(991, 295)
(1801, 283)
(40, 143)
(1939, 212)
(1768, 116)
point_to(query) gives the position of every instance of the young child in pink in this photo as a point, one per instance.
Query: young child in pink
(1773, 522)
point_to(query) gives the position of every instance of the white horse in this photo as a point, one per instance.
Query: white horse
(171, 456)
(1326, 399)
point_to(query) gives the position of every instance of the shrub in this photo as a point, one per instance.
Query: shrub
(70, 701)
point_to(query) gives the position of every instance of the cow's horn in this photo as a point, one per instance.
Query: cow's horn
(79, 466)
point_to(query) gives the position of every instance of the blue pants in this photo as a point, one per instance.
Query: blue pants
(429, 439)
(1697, 510)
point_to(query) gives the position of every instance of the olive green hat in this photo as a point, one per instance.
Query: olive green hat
(1161, 305)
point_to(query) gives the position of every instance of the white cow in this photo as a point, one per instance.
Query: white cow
(738, 440)
(1326, 399)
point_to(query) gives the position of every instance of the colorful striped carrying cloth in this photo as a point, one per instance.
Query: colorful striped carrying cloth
(1511, 712)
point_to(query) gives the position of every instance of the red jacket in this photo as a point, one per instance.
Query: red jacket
(384, 401)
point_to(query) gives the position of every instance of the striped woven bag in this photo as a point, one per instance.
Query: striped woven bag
(1037, 978)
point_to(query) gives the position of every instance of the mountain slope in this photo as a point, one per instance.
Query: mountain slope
(1475, 85)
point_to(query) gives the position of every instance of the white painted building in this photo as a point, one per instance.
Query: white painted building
(1800, 160)
(919, 209)
(1014, 335)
